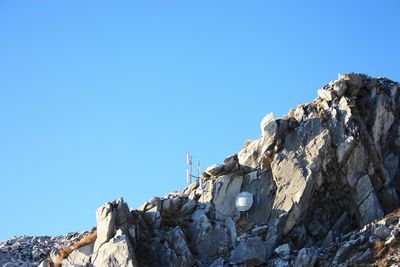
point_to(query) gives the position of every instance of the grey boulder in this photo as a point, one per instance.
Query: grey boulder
(250, 251)
(117, 252)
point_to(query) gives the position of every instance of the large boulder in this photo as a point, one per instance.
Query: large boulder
(353, 82)
(368, 204)
(114, 253)
(250, 252)
(262, 187)
(268, 125)
(109, 218)
(306, 153)
(105, 224)
(178, 243)
(339, 87)
(325, 95)
(208, 240)
(225, 190)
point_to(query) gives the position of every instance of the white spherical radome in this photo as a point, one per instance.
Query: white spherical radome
(244, 201)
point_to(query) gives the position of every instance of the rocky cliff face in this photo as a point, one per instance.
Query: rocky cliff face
(322, 180)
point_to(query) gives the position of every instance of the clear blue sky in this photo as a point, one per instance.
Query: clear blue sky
(102, 99)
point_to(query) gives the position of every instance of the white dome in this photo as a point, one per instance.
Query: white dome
(244, 201)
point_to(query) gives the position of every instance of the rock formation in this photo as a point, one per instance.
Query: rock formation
(325, 184)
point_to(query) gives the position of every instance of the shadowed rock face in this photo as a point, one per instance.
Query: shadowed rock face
(328, 168)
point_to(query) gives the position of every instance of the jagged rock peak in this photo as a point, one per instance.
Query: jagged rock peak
(324, 185)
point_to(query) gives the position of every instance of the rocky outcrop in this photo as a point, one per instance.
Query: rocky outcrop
(324, 182)
(117, 251)
(113, 246)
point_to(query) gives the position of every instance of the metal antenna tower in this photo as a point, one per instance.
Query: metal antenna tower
(189, 170)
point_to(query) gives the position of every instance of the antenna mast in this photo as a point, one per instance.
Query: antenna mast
(189, 170)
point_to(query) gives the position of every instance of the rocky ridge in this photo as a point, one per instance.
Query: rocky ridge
(325, 184)
(27, 251)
